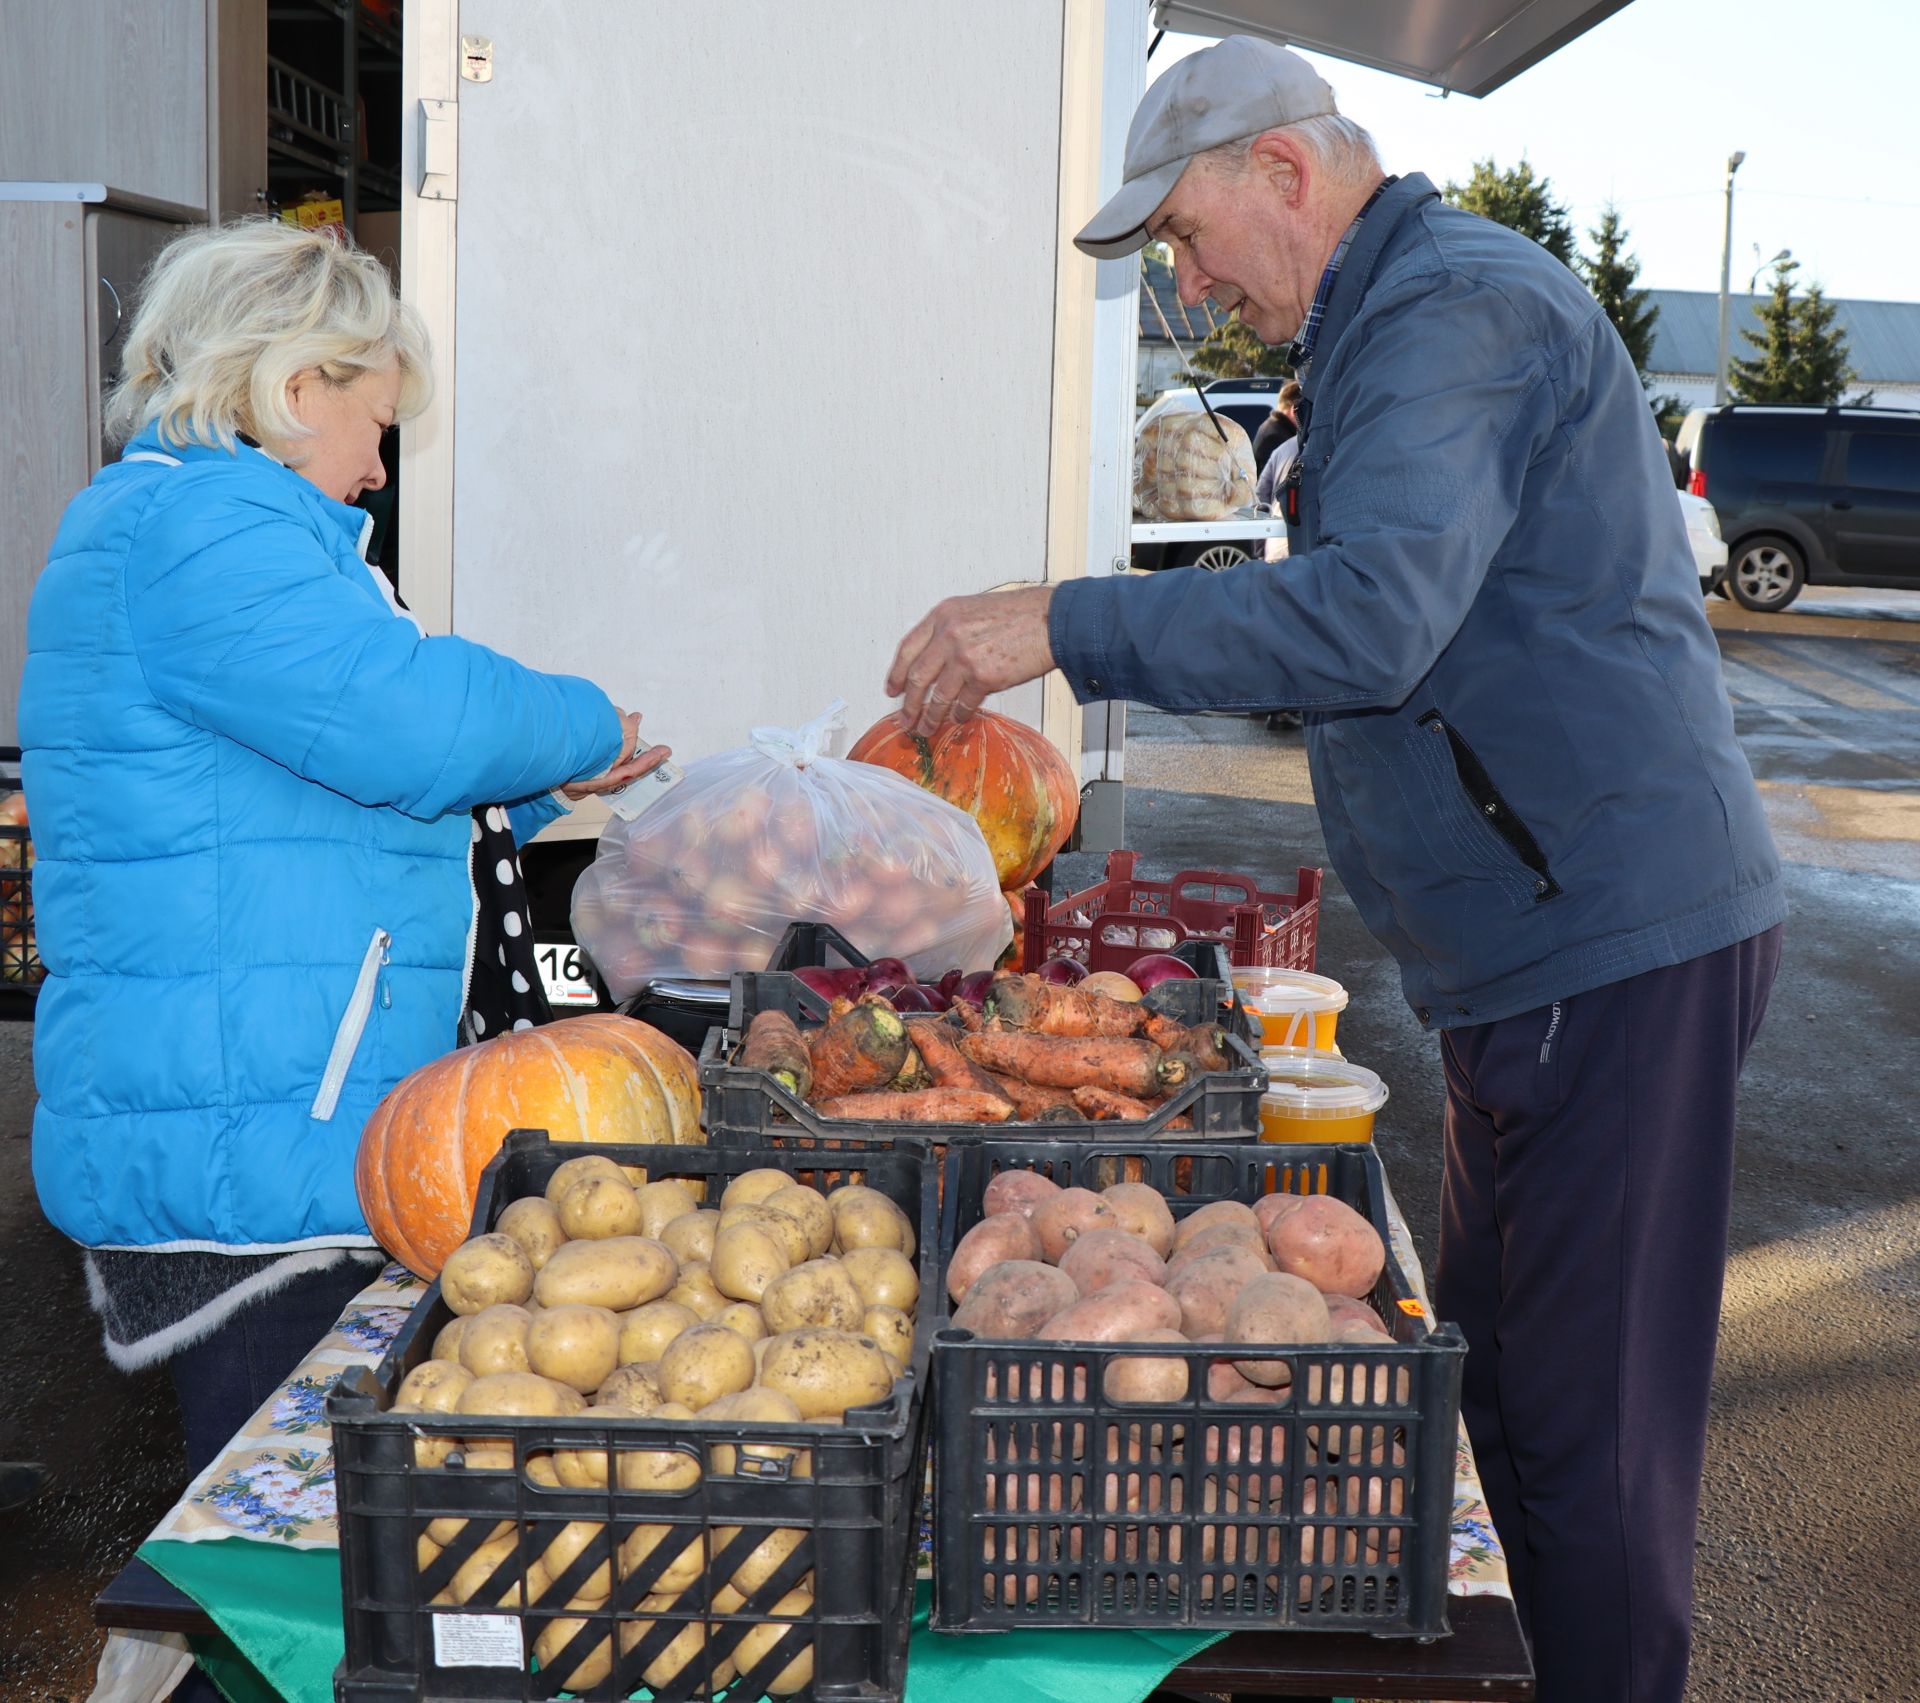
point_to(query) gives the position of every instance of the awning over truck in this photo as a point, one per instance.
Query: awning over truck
(1467, 47)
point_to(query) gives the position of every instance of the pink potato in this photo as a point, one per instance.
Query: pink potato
(1345, 1309)
(1206, 1288)
(1118, 1313)
(1017, 1191)
(1066, 1215)
(1221, 1236)
(1214, 1212)
(1330, 1245)
(1276, 1308)
(1269, 1208)
(1225, 1382)
(1014, 1299)
(1101, 1257)
(1148, 1378)
(1143, 1210)
(1004, 1236)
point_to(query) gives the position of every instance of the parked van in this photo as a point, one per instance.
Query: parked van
(1809, 496)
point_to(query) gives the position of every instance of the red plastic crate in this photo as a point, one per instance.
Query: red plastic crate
(1103, 926)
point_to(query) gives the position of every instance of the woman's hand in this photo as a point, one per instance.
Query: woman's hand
(633, 762)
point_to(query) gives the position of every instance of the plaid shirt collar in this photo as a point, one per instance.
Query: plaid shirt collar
(1300, 355)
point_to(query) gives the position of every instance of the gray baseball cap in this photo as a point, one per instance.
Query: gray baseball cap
(1238, 87)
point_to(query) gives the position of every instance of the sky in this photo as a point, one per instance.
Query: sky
(1823, 95)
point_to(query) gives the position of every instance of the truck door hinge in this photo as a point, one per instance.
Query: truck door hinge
(439, 150)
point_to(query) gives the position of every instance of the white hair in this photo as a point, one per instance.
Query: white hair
(1342, 148)
(229, 317)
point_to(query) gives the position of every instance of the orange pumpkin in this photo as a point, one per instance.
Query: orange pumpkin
(595, 1078)
(1001, 772)
(1014, 958)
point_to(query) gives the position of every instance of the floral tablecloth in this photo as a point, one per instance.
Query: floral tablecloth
(274, 1483)
(254, 1541)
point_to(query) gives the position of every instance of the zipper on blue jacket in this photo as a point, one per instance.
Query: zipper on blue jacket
(346, 1039)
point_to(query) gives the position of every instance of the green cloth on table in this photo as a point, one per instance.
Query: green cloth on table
(1042, 1667)
(281, 1610)
(279, 1607)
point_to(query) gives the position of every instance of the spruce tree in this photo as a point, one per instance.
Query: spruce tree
(1611, 274)
(1520, 201)
(1231, 350)
(1800, 354)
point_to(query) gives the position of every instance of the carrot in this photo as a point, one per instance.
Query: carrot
(939, 1044)
(1037, 1105)
(1059, 1061)
(928, 1106)
(1205, 1043)
(773, 1044)
(1102, 1104)
(1029, 1003)
(864, 1047)
(968, 1015)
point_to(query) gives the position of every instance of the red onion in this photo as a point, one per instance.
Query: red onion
(949, 982)
(826, 983)
(884, 972)
(912, 997)
(938, 1000)
(1062, 972)
(973, 988)
(1149, 972)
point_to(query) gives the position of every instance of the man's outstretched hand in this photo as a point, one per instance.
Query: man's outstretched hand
(967, 648)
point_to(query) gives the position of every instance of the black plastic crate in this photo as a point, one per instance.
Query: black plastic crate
(21, 971)
(739, 1105)
(858, 1509)
(1056, 1506)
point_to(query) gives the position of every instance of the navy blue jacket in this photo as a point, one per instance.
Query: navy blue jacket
(1521, 747)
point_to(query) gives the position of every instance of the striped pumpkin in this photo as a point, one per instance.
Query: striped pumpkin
(595, 1078)
(1004, 774)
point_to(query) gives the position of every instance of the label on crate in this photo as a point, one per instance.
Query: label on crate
(478, 1641)
(1413, 1308)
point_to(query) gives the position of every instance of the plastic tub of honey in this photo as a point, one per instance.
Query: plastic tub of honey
(1313, 1096)
(1291, 1008)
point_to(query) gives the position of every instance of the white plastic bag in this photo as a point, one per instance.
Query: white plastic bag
(1185, 469)
(705, 881)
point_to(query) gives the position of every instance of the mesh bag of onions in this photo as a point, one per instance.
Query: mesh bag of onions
(1187, 468)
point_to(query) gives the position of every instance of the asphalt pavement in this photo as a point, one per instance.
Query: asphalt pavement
(1809, 1584)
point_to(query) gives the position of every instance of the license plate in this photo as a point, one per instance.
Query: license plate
(563, 972)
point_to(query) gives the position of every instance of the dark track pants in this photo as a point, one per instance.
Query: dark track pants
(1583, 1241)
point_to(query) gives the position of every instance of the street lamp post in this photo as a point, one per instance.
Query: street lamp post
(1726, 274)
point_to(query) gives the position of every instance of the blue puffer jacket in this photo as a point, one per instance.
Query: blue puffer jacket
(249, 779)
(1521, 747)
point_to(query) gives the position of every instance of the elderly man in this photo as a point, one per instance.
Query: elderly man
(1527, 774)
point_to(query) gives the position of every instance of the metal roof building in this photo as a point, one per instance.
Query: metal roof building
(1883, 344)
(1883, 340)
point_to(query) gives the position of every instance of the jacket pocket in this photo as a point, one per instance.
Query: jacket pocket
(346, 1038)
(1493, 809)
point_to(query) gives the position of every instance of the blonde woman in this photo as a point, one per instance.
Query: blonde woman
(251, 778)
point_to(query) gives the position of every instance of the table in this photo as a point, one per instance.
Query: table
(267, 1485)
(1485, 1657)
